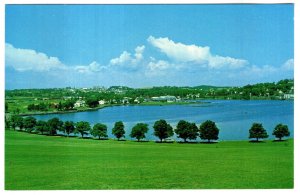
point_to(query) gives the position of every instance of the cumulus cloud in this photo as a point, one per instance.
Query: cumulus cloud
(92, 67)
(288, 65)
(31, 60)
(228, 62)
(125, 60)
(160, 65)
(158, 68)
(28, 59)
(180, 52)
(195, 54)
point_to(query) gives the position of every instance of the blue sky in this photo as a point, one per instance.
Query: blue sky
(147, 45)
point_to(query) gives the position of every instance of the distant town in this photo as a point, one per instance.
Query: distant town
(30, 101)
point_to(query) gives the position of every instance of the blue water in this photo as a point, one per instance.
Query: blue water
(233, 117)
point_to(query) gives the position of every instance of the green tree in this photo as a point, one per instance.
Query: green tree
(257, 131)
(281, 131)
(186, 130)
(6, 107)
(69, 104)
(92, 102)
(54, 125)
(118, 130)
(99, 130)
(162, 129)
(16, 121)
(139, 131)
(42, 126)
(193, 131)
(31, 107)
(60, 106)
(29, 123)
(68, 127)
(208, 130)
(82, 127)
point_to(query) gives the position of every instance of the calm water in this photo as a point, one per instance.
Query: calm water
(233, 117)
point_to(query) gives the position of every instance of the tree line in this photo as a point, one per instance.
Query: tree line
(162, 130)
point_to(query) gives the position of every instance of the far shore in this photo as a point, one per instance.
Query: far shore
(111, 105)
(86, 109)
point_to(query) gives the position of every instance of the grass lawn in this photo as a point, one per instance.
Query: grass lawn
(42, 162)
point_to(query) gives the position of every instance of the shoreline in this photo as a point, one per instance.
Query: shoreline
(111, 105)
(197, 101)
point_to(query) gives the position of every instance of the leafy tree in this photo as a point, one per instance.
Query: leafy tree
(54, 125)
(16, 111)
(16, 121)
(162, 129)
(257, 131)
(68, 127)
(92, 102)
(118, 130)
(193, 131)
(208, 130)
(139, 131)
(281, 131)
(6, 107)
(186, 130)
(30, 107)
(82, 127)
(7, 122)
(42, 126)
(99, 130)
(29, 123)
(69, 104)
(60, 106)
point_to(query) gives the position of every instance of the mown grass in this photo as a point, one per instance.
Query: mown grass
(36, 162)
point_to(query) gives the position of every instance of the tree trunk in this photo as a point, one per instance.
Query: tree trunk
(160, 140)
(81, 135)
(257, 139)
(138, 140)
(99, 137)
(208, 140)
(280, 138)
(184, 139)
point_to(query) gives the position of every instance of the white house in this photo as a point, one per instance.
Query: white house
(79, 103)
(101, 102)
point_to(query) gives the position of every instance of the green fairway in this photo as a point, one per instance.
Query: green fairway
(43, 162)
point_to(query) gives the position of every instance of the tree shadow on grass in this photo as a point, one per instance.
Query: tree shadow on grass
(182, 142)
(257, 142)
(101, 139)
(70, 136)
(85, 137)
(165, 142)
(211, 142)
(277, 140)
(141, 141)
(121, 140)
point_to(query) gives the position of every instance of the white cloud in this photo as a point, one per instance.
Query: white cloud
(28, 59)
(126, 60)
(288, 65)
(228, 62)
(180, 52)
(195, 54)
(92, 67)
(124, 57)
(158, 68)
(160, 65)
